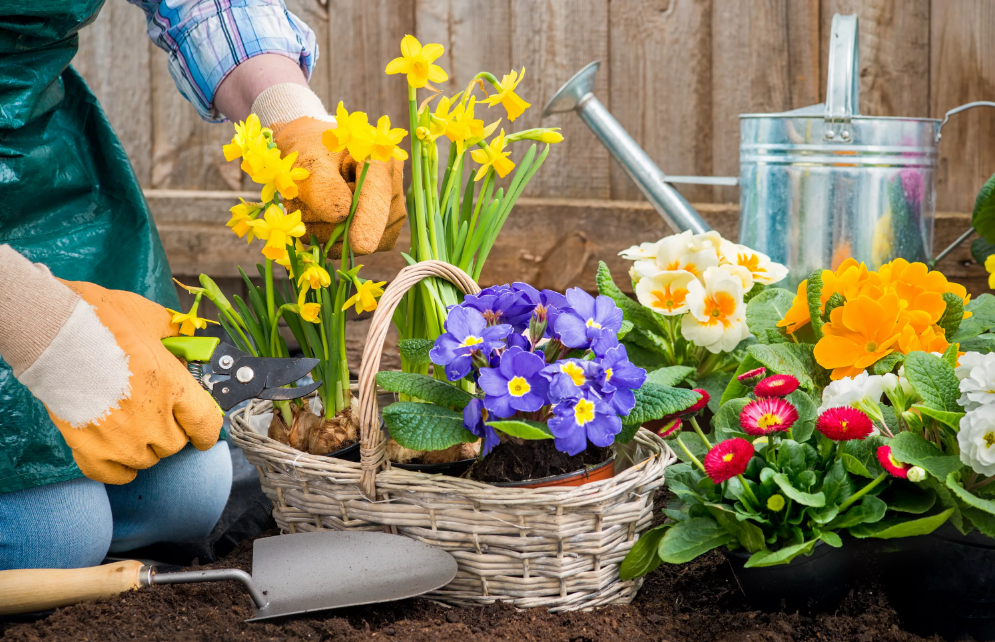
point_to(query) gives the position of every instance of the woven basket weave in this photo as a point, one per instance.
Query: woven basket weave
(558, 548)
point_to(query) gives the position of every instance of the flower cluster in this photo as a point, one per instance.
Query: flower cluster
(541, 357)
(701, 278)
(872, 314)
(976, 437)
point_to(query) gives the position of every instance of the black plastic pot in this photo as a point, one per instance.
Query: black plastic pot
(814, 584)
(944, 584)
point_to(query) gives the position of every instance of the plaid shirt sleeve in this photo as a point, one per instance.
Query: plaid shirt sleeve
(206, 39)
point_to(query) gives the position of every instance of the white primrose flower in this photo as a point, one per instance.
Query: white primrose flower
(676, 253)
(665, 292)
(976, 439)
(716, 318)
(977, 380)
(738, 271)
(759, 264)
(641, 251)
(851, 391)
(710, 239)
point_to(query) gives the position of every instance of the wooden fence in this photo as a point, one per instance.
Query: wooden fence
(675, 73)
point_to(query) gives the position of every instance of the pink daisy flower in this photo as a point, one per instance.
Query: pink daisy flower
(844, 423)
(889, 463)
(698, 405)
(727, 459)
(776, 386)
(766, 415)
(670, 429)
(752, 376)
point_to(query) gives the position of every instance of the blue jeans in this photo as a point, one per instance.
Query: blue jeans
(76, 523)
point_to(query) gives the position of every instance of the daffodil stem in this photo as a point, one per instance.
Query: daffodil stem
(346, 250)
(270, 301)
(863, 491)
(697, 429)
(690, 456)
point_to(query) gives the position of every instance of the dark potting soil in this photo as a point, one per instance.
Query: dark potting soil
(695, 602)
(510, 461)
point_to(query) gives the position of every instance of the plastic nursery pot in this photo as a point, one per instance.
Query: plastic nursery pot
(817, 583)
(944, 584)
(600, 472)
(450, 468)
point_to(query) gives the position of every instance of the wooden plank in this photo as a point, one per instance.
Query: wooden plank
(762, 62)
(962, 70)
(114, 59)
(661, 89)
(894, 54)
(553, 39)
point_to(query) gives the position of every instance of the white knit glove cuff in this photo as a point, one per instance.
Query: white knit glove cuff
(286, 102)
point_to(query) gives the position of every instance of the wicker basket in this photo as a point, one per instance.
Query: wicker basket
(551, 547)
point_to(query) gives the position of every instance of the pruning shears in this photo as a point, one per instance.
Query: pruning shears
(237, 376)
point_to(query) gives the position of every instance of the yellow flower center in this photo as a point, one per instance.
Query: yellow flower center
(471, 341)
(871, 346)
(591, 323)
(518, 387)
(584, 412)
(843, 425)
(989, 439)
(608, 374)
(895, 462)
(575, 372)
(727, 457)
(768, 420)
(667, 299)
(719, 308)
(420, 68)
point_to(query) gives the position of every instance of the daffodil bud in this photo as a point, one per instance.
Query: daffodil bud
(775, 503)
(423, 134)
(916, 474)
(551, 137)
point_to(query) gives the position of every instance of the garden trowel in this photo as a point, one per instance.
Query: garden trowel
(291, 574)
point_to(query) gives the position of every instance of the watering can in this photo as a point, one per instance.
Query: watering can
(816, 185)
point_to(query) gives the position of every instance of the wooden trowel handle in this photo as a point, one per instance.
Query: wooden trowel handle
(31, 590)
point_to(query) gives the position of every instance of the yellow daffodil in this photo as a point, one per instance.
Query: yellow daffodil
(416, 61)
(308, 311)
(353, 133)
(507, 97)
(303, 256)
(445, 120)
(189, 321)
(280, 174)
(475, 126)
(241, 214)
(493, 155)
(551, 137)
(277, 229)
(315, 276)
(990, 267)
(250, 136)
(385, 141)
(366, 296)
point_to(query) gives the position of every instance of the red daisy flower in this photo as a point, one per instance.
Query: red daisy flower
(896, 468)
(844, 423)
(698, 405)
(752, 376)
(776, 386)
(766, 415)
(727, 459)
(670, 429)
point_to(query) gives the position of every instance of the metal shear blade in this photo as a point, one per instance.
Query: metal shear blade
(250, 377)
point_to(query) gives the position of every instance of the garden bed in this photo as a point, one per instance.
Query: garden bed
(698, 601)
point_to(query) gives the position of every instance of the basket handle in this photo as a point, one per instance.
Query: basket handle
(372, 445)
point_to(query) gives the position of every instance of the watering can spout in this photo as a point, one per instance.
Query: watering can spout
(577, 95)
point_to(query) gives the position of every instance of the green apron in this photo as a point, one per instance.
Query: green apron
(68, 198)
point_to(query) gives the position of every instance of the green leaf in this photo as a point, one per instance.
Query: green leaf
(425, 388)
(982, 318)
(647, 340)
(735, 389)
(656, 402)
(754, 291)
(831, 538)
(791, 457)
(522, 428)
(726, 421)
(894, 526)
(627, 434)
(807, 499)
(855, 466)
(813, 294)
(688, 539)
(765, 310)
(624, 330)
(792, 359)
(670, 376)
(887, 363)
(835, 301)
(415, 351)
(967, 497)
(870, 510)
(911, 448)
(906, 497)
(983, 217)
(807, 412)
(951, 419)
(426, 426)
(983, 343)
(633, 311)
(934, 380)
(861, 457)
(781, 556)
(952, 314)
(837, 485)
(714, 384)
(749, 535)
(981, 250)
(642, 557)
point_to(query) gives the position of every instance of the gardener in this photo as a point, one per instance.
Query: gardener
(81, 474)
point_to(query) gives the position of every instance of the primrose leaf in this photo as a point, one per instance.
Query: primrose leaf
(983, 216)
(725, 423)
(765, 310)
(780, 556)
(624, 330)
(813, 295)
(982, 318)
(894, 526)
(808, 499)
(522, 428)
(670, 376)
(634, 311)
(911, 448)
(415, 351)
(807, 412)
(951, 419)
(934, 380)
(425, 388)
(627, 434)
(981, 250)
(735, 389)
(794, 359)
(967, 497)
(654, 401)
(688, 539)
(952, 314)
(642, 557)
(860, 457)
(983, 343)
(426, 426)
(887, 364)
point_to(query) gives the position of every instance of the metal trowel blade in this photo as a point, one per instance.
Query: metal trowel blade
(307, 572)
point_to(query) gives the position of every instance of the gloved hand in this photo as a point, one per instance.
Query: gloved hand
(94, 357)
(298, 119)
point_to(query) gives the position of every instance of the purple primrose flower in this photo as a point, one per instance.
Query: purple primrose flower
(587, 320)
(475, 420)
(581, 419)
(618, 377)
(499, 304)
(466, 333)
(542, 305)
(515, 385)
(569, 378)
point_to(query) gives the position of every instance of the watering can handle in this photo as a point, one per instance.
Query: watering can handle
(843, 88)
(957, 110)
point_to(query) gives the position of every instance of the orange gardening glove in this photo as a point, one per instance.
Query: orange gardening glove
(298, 119)
(95, 358)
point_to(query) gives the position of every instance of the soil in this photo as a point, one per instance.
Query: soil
(698, 601)
(511, 461)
